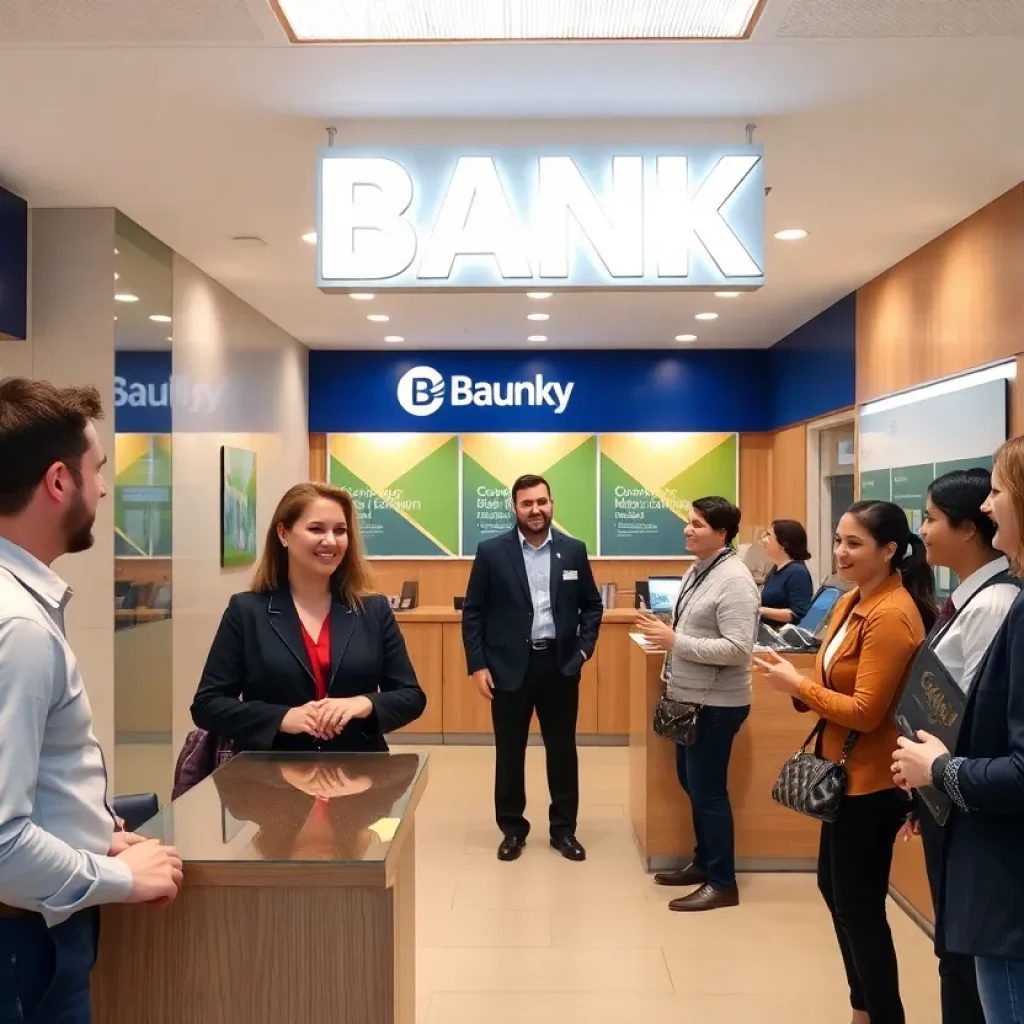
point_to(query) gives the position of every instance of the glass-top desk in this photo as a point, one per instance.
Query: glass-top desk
(298, 902)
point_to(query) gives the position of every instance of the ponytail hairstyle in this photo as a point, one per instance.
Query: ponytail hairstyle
(887, 524)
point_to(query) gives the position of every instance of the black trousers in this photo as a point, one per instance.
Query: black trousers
(958, 977)
(556, 700)
(854, 860)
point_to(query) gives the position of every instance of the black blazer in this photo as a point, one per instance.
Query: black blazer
(981, 890)
(259, 655)
(497, 617)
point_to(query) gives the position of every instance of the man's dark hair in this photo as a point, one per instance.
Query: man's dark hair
(525, 483)
(40, 424)
(719, 514)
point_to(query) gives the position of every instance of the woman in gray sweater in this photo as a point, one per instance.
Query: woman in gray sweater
(709, 649)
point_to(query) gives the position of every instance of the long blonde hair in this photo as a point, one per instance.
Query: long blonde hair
(351, 581)
(1009, 464)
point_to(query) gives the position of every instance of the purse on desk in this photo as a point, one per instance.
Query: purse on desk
(813, 785)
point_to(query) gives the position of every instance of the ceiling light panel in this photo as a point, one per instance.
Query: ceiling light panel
(350, 21)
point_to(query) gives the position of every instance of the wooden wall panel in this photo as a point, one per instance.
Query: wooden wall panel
(755, 483)
(317, 456)
(953, 305)
(910, 878)
(424, 642)
(789, 474)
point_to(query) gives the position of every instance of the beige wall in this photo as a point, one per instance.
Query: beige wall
(259, 374)
(71, 341)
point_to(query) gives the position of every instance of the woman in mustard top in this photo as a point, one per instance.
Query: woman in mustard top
(876, 630)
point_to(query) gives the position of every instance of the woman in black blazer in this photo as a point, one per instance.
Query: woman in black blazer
(309, 659)
(980, 905)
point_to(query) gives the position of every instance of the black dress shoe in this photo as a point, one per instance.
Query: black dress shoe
(691, 875)
(511, 848)
(569, 848)
(707, 898)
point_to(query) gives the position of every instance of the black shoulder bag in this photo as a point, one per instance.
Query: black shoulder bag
(676, 720)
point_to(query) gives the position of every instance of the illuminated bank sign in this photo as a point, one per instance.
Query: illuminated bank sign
(593, 217)
(423, 391)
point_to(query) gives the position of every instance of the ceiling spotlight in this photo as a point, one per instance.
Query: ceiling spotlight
(117, 276)
(537, 337)
(379, 318)
(539, 295)
(706, 316)
(115, 317)
(125, 297)
(169, 338)
(362, 296)
(310, 237)
(393, 338)
(686, 337)
(160, 318)
(538, 316)
(791, 235)
(727, 295)
(117, 252)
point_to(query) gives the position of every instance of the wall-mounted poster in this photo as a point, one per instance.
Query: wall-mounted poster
(406, 488)
(648, 482)
(237, 507)
(491, 463)
(142, 495)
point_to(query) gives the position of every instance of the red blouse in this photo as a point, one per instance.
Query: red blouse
(319, 652)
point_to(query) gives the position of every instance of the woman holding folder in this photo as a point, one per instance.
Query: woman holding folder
(980, 905)
(958, 536)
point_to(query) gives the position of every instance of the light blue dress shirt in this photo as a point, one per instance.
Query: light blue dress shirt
(538, 572)
(55, 824)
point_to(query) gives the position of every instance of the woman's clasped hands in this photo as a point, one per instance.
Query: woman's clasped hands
(325, 719)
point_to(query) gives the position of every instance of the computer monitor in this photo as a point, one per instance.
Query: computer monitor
(816, 619)
(664, 592)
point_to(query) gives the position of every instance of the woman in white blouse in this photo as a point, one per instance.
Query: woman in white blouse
(958, 536)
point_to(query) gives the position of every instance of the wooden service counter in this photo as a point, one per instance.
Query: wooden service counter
(767, 836)
(456, 712)
(298, 902)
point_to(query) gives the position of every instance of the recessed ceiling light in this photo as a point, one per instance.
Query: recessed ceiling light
(727, 295)
(539, 295)
(393, 338)
(310, 237)
(362, 296)
(379, 318)
(117, 276)
(125, 297)
(115, 317)
(537, 337)
(686, 337)
(117, 252)
(160, 318)
(308, 21)
(791, 234)
(538, 316)
(706, 316)
(169, 338)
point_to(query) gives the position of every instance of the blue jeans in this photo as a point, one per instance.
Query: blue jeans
(1001, 984)
(703, 771)
(44, 973)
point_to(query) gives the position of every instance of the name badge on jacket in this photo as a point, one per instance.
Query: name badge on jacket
(570, 574)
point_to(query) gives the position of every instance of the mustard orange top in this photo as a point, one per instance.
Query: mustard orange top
(860, 688)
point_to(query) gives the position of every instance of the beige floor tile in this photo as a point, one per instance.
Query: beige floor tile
(479, 928)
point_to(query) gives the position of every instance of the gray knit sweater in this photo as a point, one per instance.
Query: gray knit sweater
(715, 637)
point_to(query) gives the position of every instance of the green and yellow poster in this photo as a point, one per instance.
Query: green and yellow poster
(406, 487)
(648, 482)
(491, 463)
(142, 495)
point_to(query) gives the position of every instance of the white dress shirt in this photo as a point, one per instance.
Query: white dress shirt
(964, 643)
(55, 823)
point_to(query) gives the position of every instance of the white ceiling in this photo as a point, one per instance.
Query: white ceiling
(201, 122)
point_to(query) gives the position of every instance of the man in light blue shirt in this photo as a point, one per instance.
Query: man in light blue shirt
(62, 852)
(538, 572)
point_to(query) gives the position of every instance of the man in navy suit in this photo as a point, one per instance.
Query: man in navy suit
(529, 623)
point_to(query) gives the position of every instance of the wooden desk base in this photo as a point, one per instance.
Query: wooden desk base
(247, 954)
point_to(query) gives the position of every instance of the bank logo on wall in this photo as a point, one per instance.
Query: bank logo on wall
(421, 392)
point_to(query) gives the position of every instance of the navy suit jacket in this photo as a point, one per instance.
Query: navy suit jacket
(981, 894)
(259, 655)
(497, 616)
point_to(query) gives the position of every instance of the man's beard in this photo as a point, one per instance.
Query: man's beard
(524, 525)
(78, 524)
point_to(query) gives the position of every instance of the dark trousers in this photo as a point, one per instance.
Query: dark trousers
(703, 771)
(1002, 989)
(853, 875)
(556, 700)
(958, 979)
(44, 973)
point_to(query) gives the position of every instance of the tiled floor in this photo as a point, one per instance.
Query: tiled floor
(546, 941)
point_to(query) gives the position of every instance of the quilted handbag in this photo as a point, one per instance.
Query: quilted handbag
(676, 720)
(812, 785)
